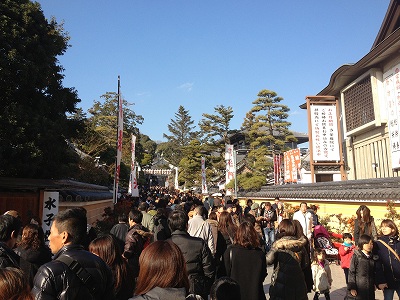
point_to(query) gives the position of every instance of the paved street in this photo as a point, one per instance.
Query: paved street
(338, 290)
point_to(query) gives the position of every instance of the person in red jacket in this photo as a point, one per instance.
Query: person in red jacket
(346, 251)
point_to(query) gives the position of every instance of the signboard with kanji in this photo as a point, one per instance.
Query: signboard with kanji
(50, 210)
(324, 129)
(391, 87)
(292, 165)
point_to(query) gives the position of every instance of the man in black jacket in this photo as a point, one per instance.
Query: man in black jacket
(9, 230)
(199, 261)
(74, 273)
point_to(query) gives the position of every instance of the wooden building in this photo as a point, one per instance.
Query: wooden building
(369, 110)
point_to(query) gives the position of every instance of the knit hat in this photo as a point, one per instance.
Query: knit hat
(254, 206)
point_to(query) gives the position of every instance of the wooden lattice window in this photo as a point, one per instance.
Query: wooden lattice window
(359, 104)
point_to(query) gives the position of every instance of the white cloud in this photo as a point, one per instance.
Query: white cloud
(186, 86)
(140, 94)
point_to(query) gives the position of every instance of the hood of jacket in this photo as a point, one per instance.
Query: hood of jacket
(141, 230)
(290, 243)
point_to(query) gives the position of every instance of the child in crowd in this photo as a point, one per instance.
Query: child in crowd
(321, 273)
(361, 283)
(346, 251)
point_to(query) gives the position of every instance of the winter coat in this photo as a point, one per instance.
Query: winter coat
(148, 221)
(290, 258)
(362, 275)
(248, 267)
(32, 260)
(134, 242)
(322, 276)
(368, 228)
(199, 262)
(55, 280)
(162, 294)
(224, 240)
(198, 227)
(214, 230)
(387, 266)
(269, 218)
(8, 258)
(119, 231)
(161, 229)
(345, 256)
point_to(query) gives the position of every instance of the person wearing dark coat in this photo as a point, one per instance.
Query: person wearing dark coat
(364, 224)
(135, 240)
(9, 230)
(290, 258)
(58, 279)
(120, 230)
(361, 283)
(199, 260)
(307, 269)
(161, 229)
(245, 263)
(388, 265)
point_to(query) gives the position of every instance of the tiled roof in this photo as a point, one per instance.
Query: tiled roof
(371, 190)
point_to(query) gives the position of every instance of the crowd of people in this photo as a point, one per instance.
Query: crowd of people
(173, 245)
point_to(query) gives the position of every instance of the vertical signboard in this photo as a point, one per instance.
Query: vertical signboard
(325, 135)
(391, 87)
(204, 188)
(292, 165)
(277, 169)
(230, 167)
(50, 210)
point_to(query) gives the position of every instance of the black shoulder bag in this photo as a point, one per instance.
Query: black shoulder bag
(84, 276)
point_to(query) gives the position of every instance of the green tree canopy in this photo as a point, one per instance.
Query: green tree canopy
(99, 137)
(267, 131)
(34, 104)
(215, 127)
(181, 134)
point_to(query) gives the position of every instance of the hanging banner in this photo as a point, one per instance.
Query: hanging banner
(292, 165)
(391, 86)
(120, 125)
(133, 187)
(50, 210)
(277, 169)
(204, 189)
(230, 166)
(324, 130)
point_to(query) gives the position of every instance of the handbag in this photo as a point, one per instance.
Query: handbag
(390, 249)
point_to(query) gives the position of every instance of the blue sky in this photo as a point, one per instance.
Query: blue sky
(202, 53)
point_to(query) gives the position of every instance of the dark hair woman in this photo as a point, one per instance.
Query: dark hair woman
(162, 272)
(290, 258)
(251, 271)
(226, 235)
(364, 224)
(388, 264)
(106, 247)
(33, 251)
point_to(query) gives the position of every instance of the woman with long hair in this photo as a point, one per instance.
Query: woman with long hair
(387, 249)
(290, 258)
(162, 273)
(226, 235)
(107, 248)
(33, 251)
(13, 285)
(245, 262)
(364, 224)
